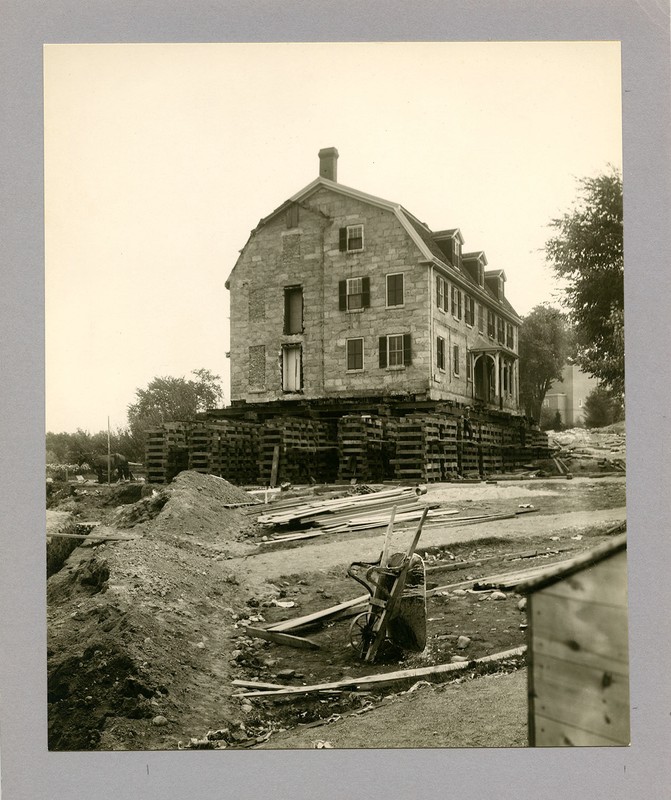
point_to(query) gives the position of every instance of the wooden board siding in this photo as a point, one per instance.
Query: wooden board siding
(579, 673)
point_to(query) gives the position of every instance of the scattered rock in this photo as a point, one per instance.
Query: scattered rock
(457, 659)
(286, 673)
(463, 642)
(522, 604)
(159, 721)
(498, 596)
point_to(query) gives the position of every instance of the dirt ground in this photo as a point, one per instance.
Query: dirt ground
(145, 634)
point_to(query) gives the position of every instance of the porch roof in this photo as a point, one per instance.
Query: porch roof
(493, 348)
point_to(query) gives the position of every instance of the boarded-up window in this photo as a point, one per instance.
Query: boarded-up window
(293, 309)
(292, 216)
(292, 368)
(257, 366)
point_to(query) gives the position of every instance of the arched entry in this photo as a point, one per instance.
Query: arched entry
(484, 380)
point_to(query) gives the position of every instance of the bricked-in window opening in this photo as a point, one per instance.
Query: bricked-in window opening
(292, 368)
(257, 304)
(395, 289)
(455, 359)
(354, 354)
(354, 294)
(351, 238)
(257, 366)
(440, 353)
(481, 318)
(395, 350)
(491, 324)
(293, 309)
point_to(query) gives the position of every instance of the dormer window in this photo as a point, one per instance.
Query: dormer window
(351, 239)
(481, 274)
(456, 250)
(501, 284)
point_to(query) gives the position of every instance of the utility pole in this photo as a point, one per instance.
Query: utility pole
(109, 454)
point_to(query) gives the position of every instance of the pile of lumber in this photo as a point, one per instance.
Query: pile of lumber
(363, 448)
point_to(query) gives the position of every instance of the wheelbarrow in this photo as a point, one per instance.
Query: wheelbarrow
(397, 606)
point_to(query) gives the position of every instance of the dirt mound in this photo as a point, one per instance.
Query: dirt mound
(199, 504)
(142, 511)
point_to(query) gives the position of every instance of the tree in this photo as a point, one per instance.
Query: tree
(602, 407)
(166, 399)
(587, 253)
(543, 347)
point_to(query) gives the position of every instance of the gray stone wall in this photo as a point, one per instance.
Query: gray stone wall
(277, 257)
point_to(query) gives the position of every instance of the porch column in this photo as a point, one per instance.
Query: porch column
(497, 376)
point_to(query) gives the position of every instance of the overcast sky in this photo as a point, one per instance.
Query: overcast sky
(160, 159)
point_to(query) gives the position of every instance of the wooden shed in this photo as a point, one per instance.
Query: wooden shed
(578, 655)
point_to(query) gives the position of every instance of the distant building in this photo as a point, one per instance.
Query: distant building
(568, 396)
(340, 294)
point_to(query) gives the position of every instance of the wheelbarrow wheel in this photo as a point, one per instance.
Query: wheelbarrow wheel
(361, 633)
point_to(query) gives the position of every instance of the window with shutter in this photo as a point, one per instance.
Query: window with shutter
(491, 330)
(455, 359)
(481, 318)
(440, 353)
(440, 292)
(382, 347)
(351, 239)
(354, 294)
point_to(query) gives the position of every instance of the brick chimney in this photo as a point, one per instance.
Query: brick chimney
(328, 163)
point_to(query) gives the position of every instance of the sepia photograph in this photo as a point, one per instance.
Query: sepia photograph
(335, 396)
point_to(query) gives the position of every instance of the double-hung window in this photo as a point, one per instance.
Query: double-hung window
(491, 327)
(354, 294)
(395, 289)
(456, 302)
(469, 315)
(395, 350)
(500, 330)
(481, 318)
(455, 359)
(351, 239)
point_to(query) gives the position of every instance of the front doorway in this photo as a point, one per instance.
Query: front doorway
(483, 373)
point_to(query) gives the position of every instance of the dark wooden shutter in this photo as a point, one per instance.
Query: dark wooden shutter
(287, 311)
(407, 353)
(343, 238)
(342, 295)
(365, 292)
(383, 351)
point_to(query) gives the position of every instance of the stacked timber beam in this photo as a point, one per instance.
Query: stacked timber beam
(363, 448)
(304, 447)
(418, 446)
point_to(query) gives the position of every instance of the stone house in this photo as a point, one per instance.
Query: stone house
(340, 294)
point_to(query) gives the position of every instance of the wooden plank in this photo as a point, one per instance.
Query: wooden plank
(391, 677)
(604, 583)
(593, 635)
(282, 638)
(318, 616)
(552, 733)
(275, 466)
(594, 700)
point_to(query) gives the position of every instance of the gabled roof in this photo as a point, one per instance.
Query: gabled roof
(421, 234)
